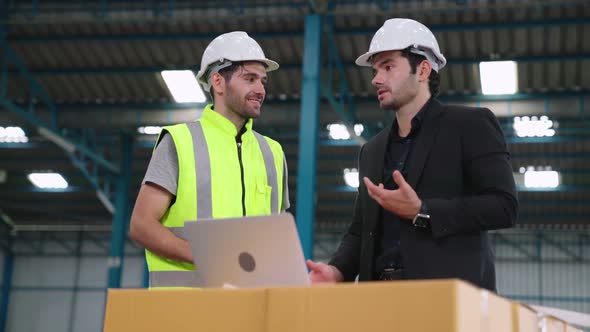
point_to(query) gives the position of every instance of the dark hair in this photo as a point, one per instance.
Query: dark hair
(227, 74)
(415, 60)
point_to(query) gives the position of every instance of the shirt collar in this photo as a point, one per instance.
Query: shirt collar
(223, 123)
(416, 123)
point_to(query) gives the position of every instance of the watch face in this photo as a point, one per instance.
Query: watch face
(421, 222)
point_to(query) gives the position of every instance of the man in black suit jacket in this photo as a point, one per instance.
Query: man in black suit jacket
(433, 183)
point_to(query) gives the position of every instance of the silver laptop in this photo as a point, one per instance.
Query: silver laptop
(260, 251)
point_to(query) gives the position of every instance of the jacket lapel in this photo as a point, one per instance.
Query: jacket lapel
(423, 143)
(376, 157)
(374, 163)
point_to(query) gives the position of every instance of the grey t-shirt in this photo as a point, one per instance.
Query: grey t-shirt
(163, 169)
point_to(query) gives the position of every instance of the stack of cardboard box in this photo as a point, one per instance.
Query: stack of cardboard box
(440, 305)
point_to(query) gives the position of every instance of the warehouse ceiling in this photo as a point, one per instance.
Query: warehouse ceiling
(90, 73)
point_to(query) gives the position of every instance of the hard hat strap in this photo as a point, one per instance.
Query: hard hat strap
(216, 68)
(426, 53)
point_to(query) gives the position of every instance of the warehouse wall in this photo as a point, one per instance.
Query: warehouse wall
(549, 268)
(56, 292)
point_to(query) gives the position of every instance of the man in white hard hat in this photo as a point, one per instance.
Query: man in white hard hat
(433, 183)
(214, 167)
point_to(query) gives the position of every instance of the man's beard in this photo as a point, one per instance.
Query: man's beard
(240, 105)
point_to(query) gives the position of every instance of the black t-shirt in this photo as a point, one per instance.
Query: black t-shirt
(396, 156)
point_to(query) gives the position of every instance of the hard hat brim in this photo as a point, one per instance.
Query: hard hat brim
(271, 65)
(364, 60)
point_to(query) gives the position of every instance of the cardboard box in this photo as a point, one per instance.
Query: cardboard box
(441, 305)
(560, 319)
(185, 310)
(525, 318)
(553, 324)
(528, 319)
(499, 313)
(444, 305)
(570, 328)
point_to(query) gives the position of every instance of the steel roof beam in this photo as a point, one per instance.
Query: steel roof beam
(157, 69)
(15, 40)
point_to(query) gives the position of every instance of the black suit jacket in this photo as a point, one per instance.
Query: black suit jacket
(461, 168)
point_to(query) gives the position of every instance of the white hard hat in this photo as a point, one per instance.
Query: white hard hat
(401, 33)
(230, 47)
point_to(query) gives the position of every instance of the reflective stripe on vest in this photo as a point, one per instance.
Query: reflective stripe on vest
(182, 278)
(271, 172)
(203, 170)
(178, 231)
(175, 279)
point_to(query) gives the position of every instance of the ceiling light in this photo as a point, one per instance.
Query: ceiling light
(338, 131)
(533, 126)
(351, 177)
(498, 77)
(358, 129)
(149, 130)
(183, 86)
(13, 135)
(541, 178)
(48, 180)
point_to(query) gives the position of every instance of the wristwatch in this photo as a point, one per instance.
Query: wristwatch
(422, 219)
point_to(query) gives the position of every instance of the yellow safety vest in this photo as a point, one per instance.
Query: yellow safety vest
(210, 182)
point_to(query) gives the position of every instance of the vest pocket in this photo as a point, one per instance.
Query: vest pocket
(262, 203)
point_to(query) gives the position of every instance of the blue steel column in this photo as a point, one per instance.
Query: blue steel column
(8, 256)
(308, 133)
(146, 275)
(119, 229)
(3, 64)
(6, 286)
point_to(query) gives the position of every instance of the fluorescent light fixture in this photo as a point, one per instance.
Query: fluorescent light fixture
(338, 131)
(541, 178)
(358, 129)
(183, 86)
(48, 180)
(533, 126)
(149, 130)
(498, 77)
(351, 177)
(55, 138)
(13, 135)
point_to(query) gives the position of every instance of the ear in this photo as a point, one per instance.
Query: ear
(424, 69)
(217, 83)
